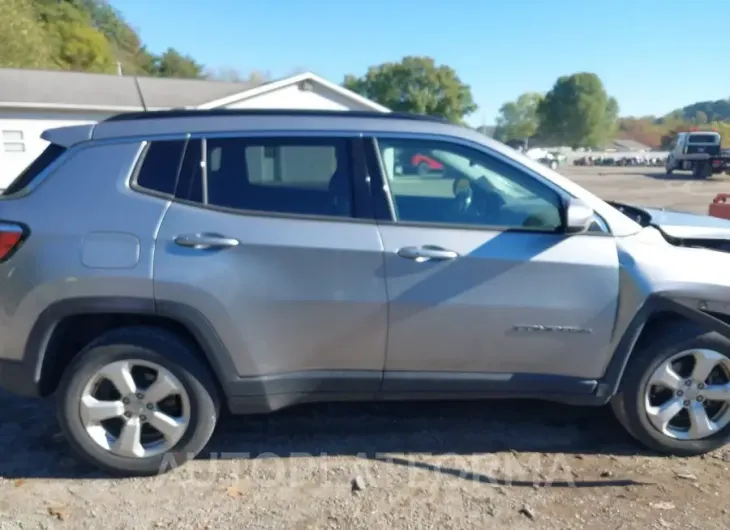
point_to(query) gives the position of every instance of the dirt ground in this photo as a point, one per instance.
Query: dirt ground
(415, 465)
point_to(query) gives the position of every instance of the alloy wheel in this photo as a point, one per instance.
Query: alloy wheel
(135, 409)
(688, 395)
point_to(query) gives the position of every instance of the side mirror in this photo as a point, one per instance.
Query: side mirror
(578, 217)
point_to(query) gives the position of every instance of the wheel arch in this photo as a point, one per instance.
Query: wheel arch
(52, 342)
(659, 310)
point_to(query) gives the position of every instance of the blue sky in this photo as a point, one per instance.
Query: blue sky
(652, 55)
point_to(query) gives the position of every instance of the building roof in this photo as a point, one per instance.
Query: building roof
(46, 88)
(86, 91)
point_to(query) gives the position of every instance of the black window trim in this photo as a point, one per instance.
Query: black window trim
(381, 185)
(145, 143)
(360, 179)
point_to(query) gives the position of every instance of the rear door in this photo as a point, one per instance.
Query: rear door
(273, 242)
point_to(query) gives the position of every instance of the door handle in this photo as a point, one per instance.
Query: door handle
(205, 241)
(427, 253)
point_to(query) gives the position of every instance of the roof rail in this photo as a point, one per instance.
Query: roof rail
(196, 113)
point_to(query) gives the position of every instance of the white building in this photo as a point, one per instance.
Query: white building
(32, 101)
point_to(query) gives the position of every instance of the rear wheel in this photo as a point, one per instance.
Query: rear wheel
(675, 397)
(701, 170)
(137, 401)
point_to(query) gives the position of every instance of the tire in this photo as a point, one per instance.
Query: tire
(424, 168)
(155, 347)
(629, 404)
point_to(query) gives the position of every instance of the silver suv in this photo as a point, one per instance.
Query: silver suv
(157, 266)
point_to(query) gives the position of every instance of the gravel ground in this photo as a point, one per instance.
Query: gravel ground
(493, 464)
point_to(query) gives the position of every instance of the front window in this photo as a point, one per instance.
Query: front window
(444, 183)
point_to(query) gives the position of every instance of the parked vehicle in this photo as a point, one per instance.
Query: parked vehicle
(551, 159)
(425, 165)
(643, 161)
(699, 152)
(259, 259)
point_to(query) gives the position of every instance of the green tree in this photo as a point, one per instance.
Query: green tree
(83, 48)
(78, 45)
(24, 42)
(418, 85)
(700, 118)
(232, 75)
(174, 64)
(578, 112)
(124, 41)
(518, 119)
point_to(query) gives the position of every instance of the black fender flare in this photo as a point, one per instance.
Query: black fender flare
(192, 319)
(693, 307)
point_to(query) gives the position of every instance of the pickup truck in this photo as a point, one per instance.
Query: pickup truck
(700, 152)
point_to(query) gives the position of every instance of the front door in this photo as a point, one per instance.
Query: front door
(485, 292)
(267, 243)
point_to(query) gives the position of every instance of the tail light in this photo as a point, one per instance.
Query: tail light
(11, 237)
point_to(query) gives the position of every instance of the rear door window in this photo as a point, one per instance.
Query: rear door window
(299, 176)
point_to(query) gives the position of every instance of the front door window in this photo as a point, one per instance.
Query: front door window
(443, 183)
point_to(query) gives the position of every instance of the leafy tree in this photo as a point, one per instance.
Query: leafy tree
(82, 48)
(173, 64)
(24, 42)
(518, 119)
(418, 85)
(232, 75)
(578, 111)
(77, 43)
(124, 41)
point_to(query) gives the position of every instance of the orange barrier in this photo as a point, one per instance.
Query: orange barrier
(720, 207)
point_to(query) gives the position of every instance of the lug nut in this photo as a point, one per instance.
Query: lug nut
(143, 418)
(127, 414)
(688, 382)
(150, 406)
(140, 395)
(680, 393)
(125, 401)
(700, 399)
(686, 403)
(701, 386)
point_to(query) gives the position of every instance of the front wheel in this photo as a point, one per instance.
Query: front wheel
(137, 401)
(675, 396)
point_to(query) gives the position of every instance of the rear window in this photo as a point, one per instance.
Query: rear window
(29, 174)
(704, 138)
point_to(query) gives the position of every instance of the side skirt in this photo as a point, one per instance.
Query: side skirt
(260, 395)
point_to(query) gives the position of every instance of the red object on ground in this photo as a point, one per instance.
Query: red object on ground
(720, 207)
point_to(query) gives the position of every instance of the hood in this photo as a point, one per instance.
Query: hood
(684, 225)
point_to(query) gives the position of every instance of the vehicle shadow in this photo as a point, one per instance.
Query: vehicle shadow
(401, 434)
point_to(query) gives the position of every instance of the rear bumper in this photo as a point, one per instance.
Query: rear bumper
(19, 378)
